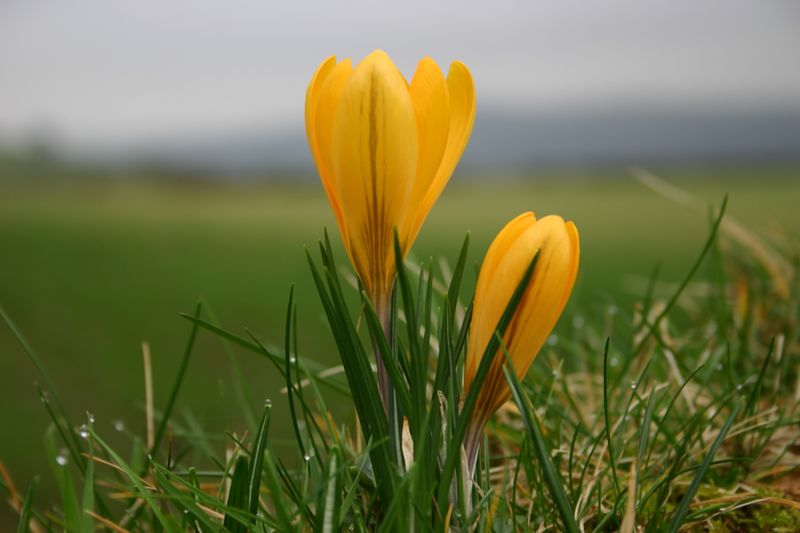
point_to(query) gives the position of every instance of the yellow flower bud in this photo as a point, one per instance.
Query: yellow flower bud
(385, 150)
(538, 311)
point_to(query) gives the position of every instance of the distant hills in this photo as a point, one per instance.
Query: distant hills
(512, 141)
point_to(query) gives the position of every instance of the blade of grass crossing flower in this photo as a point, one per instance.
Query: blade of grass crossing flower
(683, 506)
(549, 473)
(173, 395)
(257, 459)
(453, 455)
(238, 495)
(25, 514)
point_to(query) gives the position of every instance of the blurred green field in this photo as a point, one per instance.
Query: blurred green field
(88, 272)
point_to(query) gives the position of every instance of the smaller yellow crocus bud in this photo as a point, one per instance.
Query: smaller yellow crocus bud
(544, 299)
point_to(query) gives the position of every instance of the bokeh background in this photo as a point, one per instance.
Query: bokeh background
(153, 153)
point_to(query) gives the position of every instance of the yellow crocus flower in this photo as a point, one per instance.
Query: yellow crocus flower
(536, 314)
(385, 149)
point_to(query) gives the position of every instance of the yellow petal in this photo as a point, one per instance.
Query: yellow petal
(325, 95)
(428, 91)
(375, 161)
(312, 98)
(461, 103)
(538, 311)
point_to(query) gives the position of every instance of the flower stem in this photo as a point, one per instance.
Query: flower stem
(384, 384)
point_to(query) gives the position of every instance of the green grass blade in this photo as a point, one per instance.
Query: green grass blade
(549, 472)
(611, 458)
(238, 495)
(752, 399)
(86, 520)
(25, 515)
(288, 372)
(66, 486)
(329, 501)
(272, 478)
(173, 395)
(458, 274)
(683, 506)
(257, 459)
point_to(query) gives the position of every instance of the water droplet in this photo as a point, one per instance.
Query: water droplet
(578, 322)
(306, 458)
(556, 373)
(268, 403)
(45, 397)
(83, 431)
(739, 386)
(292, 359)
(90, 417)
(62, 459)
(613, 361)
(552, 340)
(119, 425)
(633, 385)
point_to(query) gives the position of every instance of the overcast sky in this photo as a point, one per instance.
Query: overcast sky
(116, 71)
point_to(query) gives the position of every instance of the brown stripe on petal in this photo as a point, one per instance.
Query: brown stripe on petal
(375, 233)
